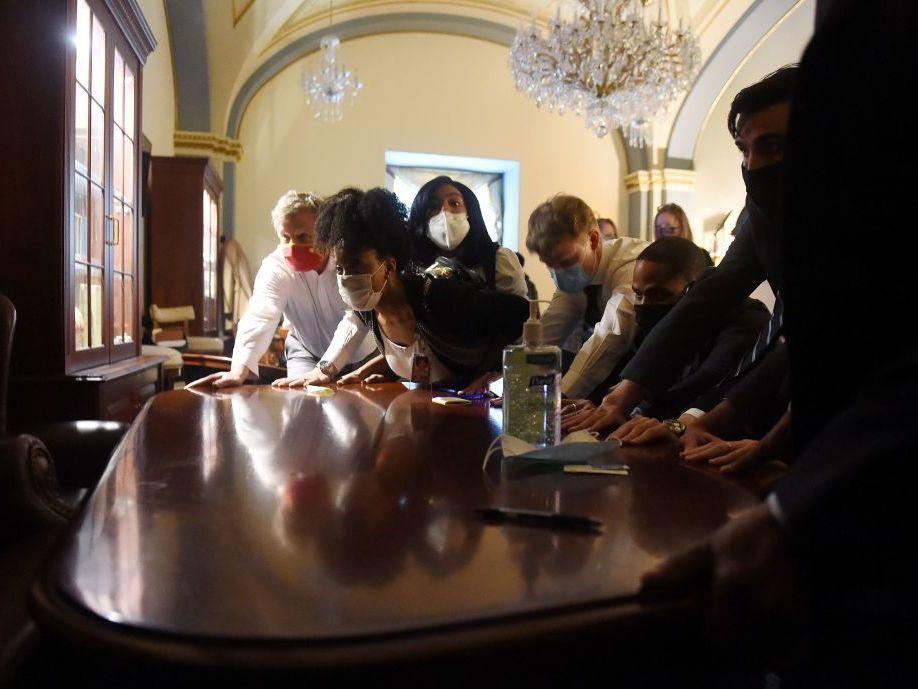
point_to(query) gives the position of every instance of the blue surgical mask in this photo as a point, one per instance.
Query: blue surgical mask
(571, 279)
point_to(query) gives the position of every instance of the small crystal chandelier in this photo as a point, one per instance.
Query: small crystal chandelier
(334, 85)
(607, 64)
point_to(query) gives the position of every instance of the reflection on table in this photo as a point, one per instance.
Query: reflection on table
(265, 514)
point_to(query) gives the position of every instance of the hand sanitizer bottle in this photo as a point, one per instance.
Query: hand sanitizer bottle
(532, 386)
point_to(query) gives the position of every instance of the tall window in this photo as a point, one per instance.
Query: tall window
(495, 184)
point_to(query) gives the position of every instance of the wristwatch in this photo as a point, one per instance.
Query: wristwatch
(675, 426)
(328, 368)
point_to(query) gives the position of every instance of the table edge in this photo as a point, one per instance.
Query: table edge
(614, 619)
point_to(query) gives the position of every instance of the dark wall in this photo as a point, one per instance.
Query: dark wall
(822, 10)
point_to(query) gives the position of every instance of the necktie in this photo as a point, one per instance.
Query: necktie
(766, 339)
(594, 309)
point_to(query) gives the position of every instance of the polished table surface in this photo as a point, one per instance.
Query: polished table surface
(271, 515)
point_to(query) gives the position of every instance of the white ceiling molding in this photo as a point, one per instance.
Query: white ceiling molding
(752, 28)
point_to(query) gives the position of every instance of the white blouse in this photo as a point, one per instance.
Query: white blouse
(401, 359)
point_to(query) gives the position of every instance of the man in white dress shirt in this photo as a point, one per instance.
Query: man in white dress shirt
(593, 277)
(297, 282)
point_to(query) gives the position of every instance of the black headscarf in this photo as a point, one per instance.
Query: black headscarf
(477, 250)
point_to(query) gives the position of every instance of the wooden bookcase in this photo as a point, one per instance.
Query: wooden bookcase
(69, 203)
(184, 239)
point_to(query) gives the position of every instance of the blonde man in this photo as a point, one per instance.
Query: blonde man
(593, 301)
(296, 282)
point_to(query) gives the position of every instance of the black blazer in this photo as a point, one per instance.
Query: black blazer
(717, 358)
(761, 396)
(850, 266)
(753, 256)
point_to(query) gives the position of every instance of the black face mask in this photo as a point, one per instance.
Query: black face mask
(648, 315)
(764, 187)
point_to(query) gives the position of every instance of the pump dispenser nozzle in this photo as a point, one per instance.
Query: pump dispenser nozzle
(532, 328)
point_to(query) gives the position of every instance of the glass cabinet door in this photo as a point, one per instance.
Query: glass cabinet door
(104, 229)
(88, 230)
(123, 205)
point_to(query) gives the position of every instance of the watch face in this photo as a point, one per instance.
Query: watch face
(675, 426)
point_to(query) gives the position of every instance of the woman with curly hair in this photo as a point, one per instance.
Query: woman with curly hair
(446, 221)
(431, 326)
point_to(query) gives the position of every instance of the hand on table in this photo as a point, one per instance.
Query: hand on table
(753, 594)
(359, 377)
(696, 436)
(481, 385)
(314, 377)
(733, 457)
(225, 379)
(573, 407)
(642, 430)
(590, 418)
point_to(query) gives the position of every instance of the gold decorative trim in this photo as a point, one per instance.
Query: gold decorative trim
(668, 178)
(240, 7)
(639, 180)
(679, 179)
(206, 143)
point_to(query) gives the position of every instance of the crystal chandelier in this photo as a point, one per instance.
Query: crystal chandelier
(607, 64)
(334, 86)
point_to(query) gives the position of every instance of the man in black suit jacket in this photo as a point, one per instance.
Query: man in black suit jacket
(758, 123)
(830, 553)
(665, 272)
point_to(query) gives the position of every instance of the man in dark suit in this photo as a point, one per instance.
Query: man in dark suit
(828, 559)
(664, 273)
(758, 123)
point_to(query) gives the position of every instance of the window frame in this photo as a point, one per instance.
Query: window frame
(509, 169)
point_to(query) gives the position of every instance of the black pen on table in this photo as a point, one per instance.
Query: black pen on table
(508, 515)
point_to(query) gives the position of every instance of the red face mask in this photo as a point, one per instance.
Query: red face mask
(302, 257)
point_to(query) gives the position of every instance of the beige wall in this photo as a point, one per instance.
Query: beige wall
(422, 93)
(158, 90)
(227, 48)
(718, 182)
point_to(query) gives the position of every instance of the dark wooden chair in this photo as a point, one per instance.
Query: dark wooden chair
(34, 504)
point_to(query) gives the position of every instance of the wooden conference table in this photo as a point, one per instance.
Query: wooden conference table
(257, 525)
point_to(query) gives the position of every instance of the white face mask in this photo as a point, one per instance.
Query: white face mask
(580, 447)
(357, 290)
(447, 230)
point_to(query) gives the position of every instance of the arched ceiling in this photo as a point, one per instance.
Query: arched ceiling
(243, 35)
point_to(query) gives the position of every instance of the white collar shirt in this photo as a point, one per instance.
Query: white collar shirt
(612, 334)
(310, 303)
